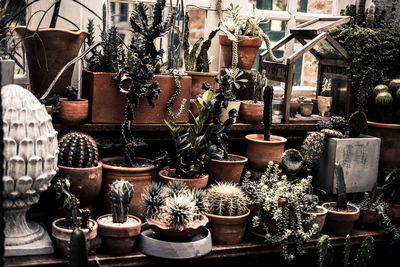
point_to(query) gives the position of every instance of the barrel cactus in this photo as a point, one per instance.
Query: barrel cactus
(30, 162)
(121, 193)
(77, 150)
(379, 89)
(226, 199)
(383, 104)
(313, 148)
(357, 123)
(394, 85)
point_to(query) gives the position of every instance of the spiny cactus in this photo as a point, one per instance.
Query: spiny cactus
(346, 252)
(313, 148)
(324, 125)
(77, 150)
(227, 199)
(179, 210)
(200, 199)
(72, 93)
(383, 104)
(260, 81)
(379, 89)
(292, 161)
(267, 115)
(332, 133)
(365, 252)
(357, 124)
(394, 85)
(325, 252)
(78, 254)
(174, 97)
(175, 187)
(341, 202)
(121, 193)
(153, 198)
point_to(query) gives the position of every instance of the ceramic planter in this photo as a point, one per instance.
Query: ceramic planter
(306, 108)
(62, 236)
(198, 78)
(144, 113)
(114, 168)
(106, 102)
(369, 219)
(247, 50)
(73, 112)
(324, 105)
(225, 111)
(118, 238)
(227, 230)
(6, 72)
(165, 178)
(394, 211)
(320, 214)
(85, 182)
(47, 53)
(229, 170)
(359, 158)
(251, 112)
(260, 152)
(341, 222)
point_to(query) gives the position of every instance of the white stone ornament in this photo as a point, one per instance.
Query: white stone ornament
(30, 162)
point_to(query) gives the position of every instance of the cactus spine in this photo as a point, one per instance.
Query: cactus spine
(383, 104)
(121, 193)
(313, 148)
(365, 252)
(341, 202)
(267, 116)
(325, 252)
(227, 199)
(357, 123)
(77, 150)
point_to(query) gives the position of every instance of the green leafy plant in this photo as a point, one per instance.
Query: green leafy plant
(77, 150)
(121, 193)
(227, 199)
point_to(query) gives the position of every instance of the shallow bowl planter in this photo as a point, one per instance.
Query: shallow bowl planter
(165, 177)
(73, 112)
(62, 236)
(260, 152)
(227, 230)
(251, 112)
(320, 214)
(140, 177)
(369, 219)
(226, 170)
(118, 238)
(198, 78)
(341, 222)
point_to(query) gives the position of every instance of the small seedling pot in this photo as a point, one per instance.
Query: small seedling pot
(73, 112)
(226, 170)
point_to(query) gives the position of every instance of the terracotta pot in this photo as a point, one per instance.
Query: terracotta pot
(226, 170)
(169, 233)
(106, 102)
(225, 111)
(62, 236)
(394, 211)
(118, 238)
(369, 219)
(319, 219)
(306, 108)
(251, 112)
(146, 114)
(341, 222)
(85, 182)
(73, 112)
(227, 230)
(47, 54)
(164, 177)
(390, 146)
(198, 78)
(139, 177)
(294, 107)
(247, 50)
(260, 152)
(324, 105)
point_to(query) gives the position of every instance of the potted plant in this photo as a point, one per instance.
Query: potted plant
(325, 99)
(262, 148)
(315, 212)
(73, 110)
(173, 211)
(78, 254)
(228, 213)
(118, 230)
(252, 111)
(341, 215)
(78, 160)
(63, 228)
(306, 107)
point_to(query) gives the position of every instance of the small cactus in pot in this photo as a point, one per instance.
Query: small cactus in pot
(73, 110)
(121, 193)
(384, 104)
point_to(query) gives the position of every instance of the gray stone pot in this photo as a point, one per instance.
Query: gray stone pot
(6, 72)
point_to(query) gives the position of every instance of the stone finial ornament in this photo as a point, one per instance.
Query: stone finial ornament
(30, 162)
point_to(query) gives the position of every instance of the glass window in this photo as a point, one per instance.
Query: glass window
(123, 12)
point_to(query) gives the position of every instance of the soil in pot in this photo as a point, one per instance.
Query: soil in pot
(369, 219)
(320, 213)
(168, 175)
(251, 112)
(229, 170)
(73, 112)
(341, 222)
(118, 238)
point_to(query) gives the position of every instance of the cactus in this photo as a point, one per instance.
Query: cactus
(72, 93)
(227, 199)
(332, 133)
(341, 202)
(292, 161)
(174, 97)
(153, 199)
(394, 85)
(379, 89)
(179, 211)
(200, 199)
(346, 252)
(78, 254)
(365, 252)
(260, 81)
(383, 104)
(325, 252)
(267, 115)
(357, 124)
(338, 123)
(324, 125)
(313, 148)
(121, 193)
(77, 150)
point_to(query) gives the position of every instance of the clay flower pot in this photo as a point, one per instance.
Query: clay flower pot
(169, 233)
(247, 51)
(394, 211)
(369, 219)
(118, 238)
(166, 176)
(73, 112)
(225, 111)
(306, 108)
(140, 177)
(341, 222)
(85, 182)
(62, 236)
(324, 105)
(229, 170)
(251, 112)
(260, 152)
(198, 78)
(227, 230)
(319, 219)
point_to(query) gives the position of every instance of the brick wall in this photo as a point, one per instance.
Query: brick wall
(197, 19)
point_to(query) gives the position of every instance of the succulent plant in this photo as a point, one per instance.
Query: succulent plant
(179, 210)
(394, 85)
(326, 93)
(365, 252)
(175, 187)
(77, 150)
(153, 198)
(72, 93)
(313, 148)
(324, 125)
(260, 81)
(267, 115)
(292, 161)
(341, 202)
(339, 123)
(227, 199)
(332, 133)
(379, 89)
(325, 252)
(121, 193)
(357, 124)
(384, 104)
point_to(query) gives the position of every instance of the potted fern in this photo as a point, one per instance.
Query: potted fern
(73, 110)
(118, 230)
(228, 213)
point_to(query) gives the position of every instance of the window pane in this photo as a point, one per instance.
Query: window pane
(279, 5)
(123, 12)
(320, 7)
(302, 5)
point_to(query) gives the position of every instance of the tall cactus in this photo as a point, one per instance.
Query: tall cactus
(365, 252)
(325, 252)
(121, 193)
(341, 202)
(77, 150)
(78, 254)
(267, 115)
(346, 252)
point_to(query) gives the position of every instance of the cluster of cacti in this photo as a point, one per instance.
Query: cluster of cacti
(325, 252)
(357, 124)
(121, 193)
(336, 123)
(77, 150)
(313, 148)
(267, 115)
(341, 202)
(292, 161)
(387, 101)
(227, 199)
